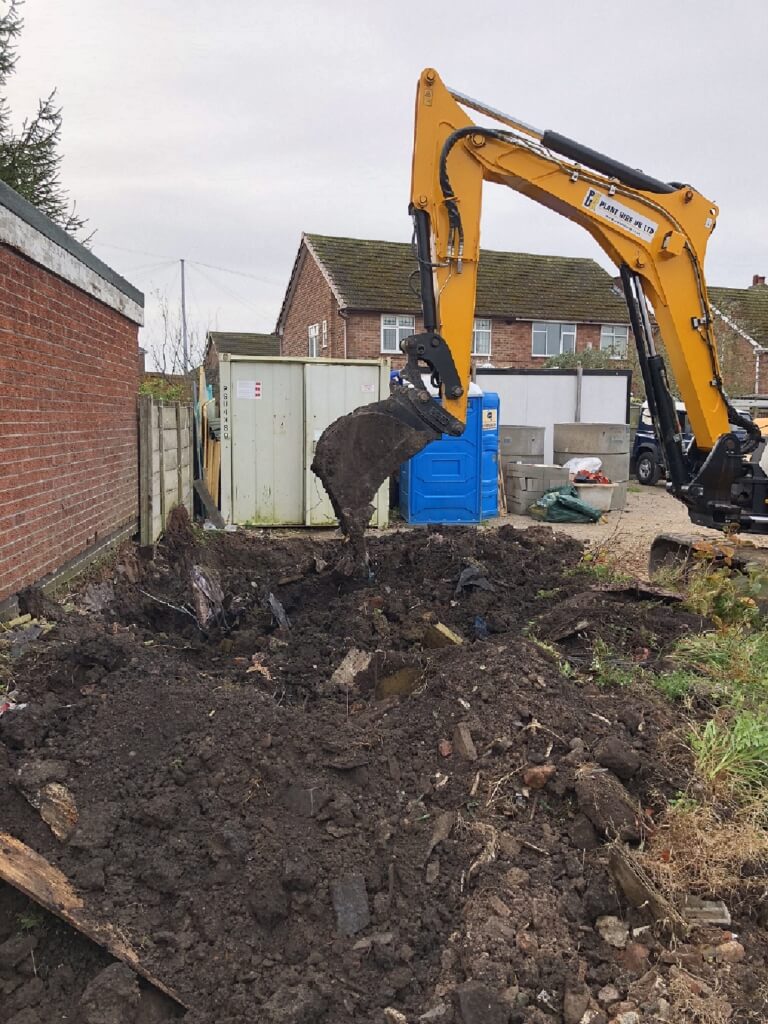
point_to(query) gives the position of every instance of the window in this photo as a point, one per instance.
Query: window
(313, 333)
(613, 339)
(481, 337)
(553, 339)
(325, 334)
(394, 329)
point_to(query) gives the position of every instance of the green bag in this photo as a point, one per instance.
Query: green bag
(563, 505)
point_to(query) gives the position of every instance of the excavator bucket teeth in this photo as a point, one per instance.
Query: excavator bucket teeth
(359, 451)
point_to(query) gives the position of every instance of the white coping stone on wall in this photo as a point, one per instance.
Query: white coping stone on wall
(17, 233)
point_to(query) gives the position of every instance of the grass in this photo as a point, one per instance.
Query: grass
(731, 755)
(729, 666)
(713, 840)
(609, 671)
(603, 565)
(675, 685)
(737, 656)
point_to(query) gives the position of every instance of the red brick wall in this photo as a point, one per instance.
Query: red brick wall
(737, 360)
(68, 434)
(311, 303)
(510, 343)
(364, 337)
(763, 388)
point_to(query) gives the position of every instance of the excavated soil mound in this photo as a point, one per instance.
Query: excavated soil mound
(309, 812)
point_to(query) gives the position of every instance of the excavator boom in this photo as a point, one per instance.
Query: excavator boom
(655, 232)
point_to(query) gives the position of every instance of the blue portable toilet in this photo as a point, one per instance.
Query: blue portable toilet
(455, 479)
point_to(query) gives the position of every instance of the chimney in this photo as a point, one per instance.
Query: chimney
(758, 279)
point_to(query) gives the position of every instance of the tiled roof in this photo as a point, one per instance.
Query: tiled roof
(236, 343)
(377, 275)
(746, 307)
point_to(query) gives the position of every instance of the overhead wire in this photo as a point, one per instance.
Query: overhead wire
(199, 263)
(228, 291)
(237, 273)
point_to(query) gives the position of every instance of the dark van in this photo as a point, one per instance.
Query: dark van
(647, 460)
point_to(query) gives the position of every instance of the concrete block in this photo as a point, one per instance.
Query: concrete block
(521, 441)
(595, 438)
(619, 499)
(518, 506)
(535, 478)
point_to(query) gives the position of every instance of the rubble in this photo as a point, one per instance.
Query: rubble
(463, 744)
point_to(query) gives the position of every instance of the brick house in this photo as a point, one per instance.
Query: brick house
(741, 326)
(349, 298)
(69, 364)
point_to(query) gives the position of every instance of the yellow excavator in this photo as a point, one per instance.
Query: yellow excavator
(656, 233)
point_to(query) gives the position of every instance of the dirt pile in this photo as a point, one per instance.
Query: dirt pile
(417, 831)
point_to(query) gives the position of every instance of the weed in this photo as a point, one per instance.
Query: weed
(602, 565)
(608, 671)
(732, 756)
(730, 659)
(165, 390)
(552, 652)
(729, 598)
(546, 594)
(729, 666)
(30, 920)
(675, 685)
(634, 489)
(683, 804)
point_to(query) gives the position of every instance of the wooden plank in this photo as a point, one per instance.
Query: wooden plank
(642, 892)
(216, 470)
(145, 469)
(161, 463)
(502, 498)
(211, 508)
(33, 875)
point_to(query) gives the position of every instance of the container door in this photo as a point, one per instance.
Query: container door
(444, 478)
(331, 390)
(267, 443)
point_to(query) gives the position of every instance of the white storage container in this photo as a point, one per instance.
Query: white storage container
(599, 496)
(273, 411)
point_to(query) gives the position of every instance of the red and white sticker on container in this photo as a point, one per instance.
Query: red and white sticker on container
(250, 389)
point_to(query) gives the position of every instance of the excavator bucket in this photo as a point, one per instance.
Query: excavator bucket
(358, 452)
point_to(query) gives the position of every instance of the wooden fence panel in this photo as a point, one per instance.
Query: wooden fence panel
(165, 463)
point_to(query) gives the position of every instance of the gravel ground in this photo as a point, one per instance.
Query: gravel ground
(629, 533)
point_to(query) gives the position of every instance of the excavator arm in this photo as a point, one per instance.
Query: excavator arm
(655, 232)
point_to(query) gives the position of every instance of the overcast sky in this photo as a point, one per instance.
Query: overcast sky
(220, 131)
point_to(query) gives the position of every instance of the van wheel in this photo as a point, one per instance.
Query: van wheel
(647, 470)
